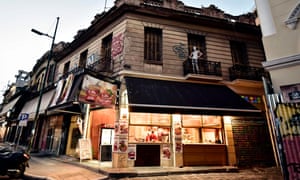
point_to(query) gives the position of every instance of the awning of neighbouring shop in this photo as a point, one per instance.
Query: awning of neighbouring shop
(30, 107)
(9, 106)
(148, 95)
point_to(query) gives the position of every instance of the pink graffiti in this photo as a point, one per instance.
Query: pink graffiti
(117, 45)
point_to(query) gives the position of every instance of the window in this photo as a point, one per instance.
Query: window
(106, 53)
(153, 45)
(202, 129)
(66, 67)
(199, 42)
(239, 53)
(149, 127)
(51, 72)
(83, 58)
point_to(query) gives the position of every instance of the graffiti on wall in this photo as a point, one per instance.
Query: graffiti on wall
(117, 45)
(289, 126)
(181, 51)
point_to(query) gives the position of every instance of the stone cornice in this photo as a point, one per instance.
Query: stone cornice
(282, 62)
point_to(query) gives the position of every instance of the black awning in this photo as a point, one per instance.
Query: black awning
(148, 95)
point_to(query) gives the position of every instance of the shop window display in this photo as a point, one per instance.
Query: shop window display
(149, 134)
(202, 129)
(149, 128)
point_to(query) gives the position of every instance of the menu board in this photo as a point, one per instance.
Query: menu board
(85, 149)
(161, 119)
(140, 118)
(191, 120)
(150, 119)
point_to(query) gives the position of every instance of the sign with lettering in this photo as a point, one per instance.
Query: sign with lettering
(23, 118)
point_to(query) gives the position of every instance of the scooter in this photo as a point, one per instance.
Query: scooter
(13, 163)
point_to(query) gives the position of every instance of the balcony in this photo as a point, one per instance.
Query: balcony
(206, 69)
(101, 65)
(246, 72)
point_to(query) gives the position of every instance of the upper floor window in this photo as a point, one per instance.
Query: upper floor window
(83, 58)
(153, 45)
(50, 77)
(239, 53)
(66, 67)
(197, 41)
(106, 62)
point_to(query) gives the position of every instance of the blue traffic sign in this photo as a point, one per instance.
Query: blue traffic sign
(23, 116)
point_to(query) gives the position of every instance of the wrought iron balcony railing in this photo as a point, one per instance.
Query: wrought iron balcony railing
(101, 65)
(203, 67)
(246, 72)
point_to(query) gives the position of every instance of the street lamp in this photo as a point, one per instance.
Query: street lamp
(43, 83)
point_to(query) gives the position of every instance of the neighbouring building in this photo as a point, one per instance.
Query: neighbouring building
(13, 101)
(279, 21)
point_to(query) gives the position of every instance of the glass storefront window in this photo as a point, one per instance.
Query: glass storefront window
(202, 129)
(191, 135)
(149, 128)
(211, 135)
(149, 134)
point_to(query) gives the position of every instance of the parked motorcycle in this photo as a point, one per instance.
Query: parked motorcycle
(13, 163)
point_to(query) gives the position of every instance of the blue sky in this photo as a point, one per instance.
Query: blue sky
(20, 48)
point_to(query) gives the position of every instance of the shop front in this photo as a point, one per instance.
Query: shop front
(172, 123)
(85, 103)
(150, 134)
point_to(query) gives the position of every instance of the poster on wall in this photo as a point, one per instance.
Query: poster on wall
(178, 147)
(62, 91)
(116, 144)
(131, 151)
(98, 93)
(123, 128)
(291, 93)
(66, 90)
(166, 152)
(178, 137)
(117, 129)
(123, 144)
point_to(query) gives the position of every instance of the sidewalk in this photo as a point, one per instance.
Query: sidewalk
(106, 168)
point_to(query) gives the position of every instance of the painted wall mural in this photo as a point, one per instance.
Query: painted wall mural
(288, 116)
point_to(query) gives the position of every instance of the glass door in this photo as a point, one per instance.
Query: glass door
(106, 143)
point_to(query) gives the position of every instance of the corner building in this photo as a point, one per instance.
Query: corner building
(167, 110)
